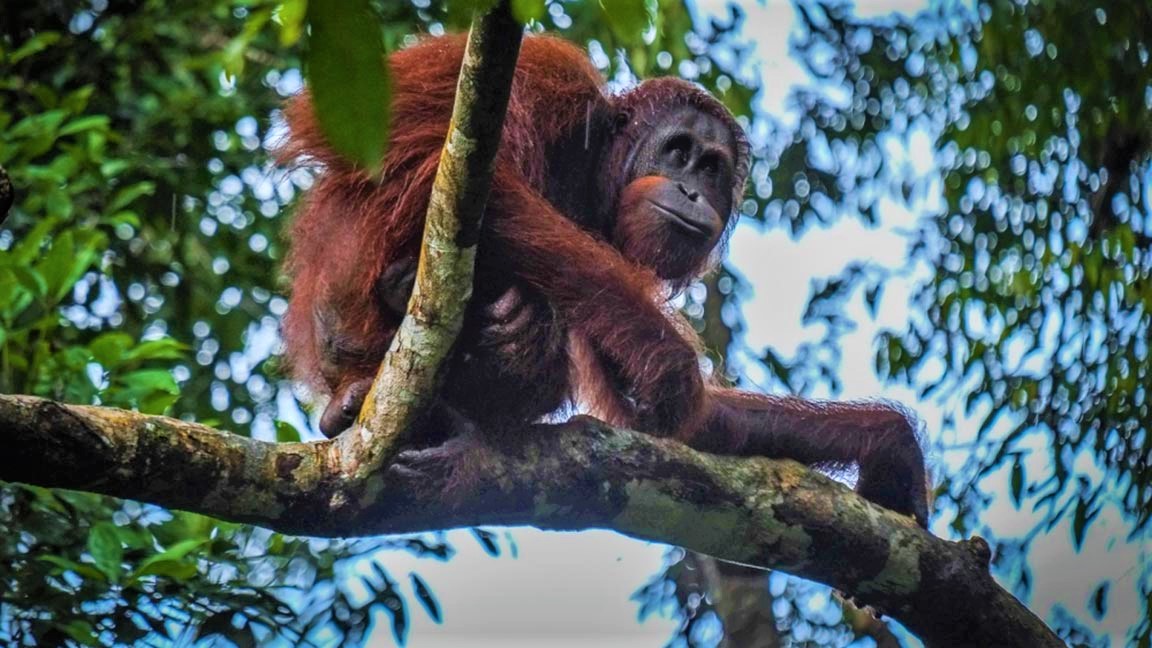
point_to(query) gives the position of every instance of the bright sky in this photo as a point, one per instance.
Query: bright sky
(574, 589)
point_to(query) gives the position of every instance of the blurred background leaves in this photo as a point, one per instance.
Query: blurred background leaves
(138, 269)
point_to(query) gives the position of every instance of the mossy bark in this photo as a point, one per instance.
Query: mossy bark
(578, 475)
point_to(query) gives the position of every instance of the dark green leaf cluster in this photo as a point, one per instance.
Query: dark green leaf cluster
(137, 270)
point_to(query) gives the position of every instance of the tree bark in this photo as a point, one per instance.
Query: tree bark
(579, 475)
(410, 372)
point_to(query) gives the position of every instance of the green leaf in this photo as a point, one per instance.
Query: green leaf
(175, 569)
(1099, 601)
(58, 203)
(526, 11)
(234, 53)
(107, 552)
(156, 402)
(286, 432)
(1017, 481)
(426, 597)
(57, 262)
(108, 349)
(113, 168)
(30, 280)
(1079, 523)
(124, 218)
(85, 123)
(36, 125)
(82, 632)
(37, 43)
(152, 391)
(151, 380)
(76, 102)
(73, 253)
(161, 349)
(29, 247)
(628, 19)
(350, 80)
(291, 17)
(179, 550)
(64, 564)
(125, 196)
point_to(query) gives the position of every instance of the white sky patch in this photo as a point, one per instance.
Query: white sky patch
(562, 589)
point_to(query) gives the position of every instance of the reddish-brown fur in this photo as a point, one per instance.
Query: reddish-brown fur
(350, 227)
(573, 317)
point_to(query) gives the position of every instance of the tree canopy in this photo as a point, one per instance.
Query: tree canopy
(137, 271)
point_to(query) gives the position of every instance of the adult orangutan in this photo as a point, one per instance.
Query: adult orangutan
(601, 206)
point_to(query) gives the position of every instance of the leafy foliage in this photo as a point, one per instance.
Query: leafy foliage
(351, 82)
(1035, 301)
(139, 248)
(136, 266)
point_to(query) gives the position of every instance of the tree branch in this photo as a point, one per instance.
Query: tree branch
(579, 475)
(410, 372)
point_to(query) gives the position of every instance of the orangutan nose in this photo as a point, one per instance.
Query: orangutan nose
(692, 195)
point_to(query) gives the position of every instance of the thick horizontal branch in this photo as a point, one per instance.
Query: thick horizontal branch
(579, 475)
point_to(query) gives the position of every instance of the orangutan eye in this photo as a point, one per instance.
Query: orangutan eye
(709, 164)
(679, 150)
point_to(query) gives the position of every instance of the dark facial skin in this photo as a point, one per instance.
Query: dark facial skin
(693, 149)
(678, 202)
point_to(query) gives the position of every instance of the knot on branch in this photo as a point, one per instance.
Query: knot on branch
(978, 548)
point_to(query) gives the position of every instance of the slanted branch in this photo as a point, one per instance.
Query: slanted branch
(578, 475)
(410, 372)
